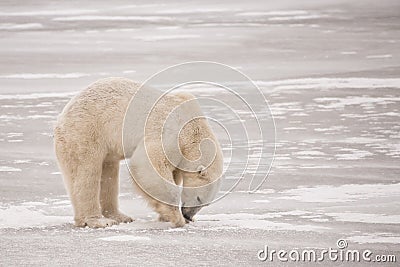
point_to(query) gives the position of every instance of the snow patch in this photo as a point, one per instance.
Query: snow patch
(274, 13)
(22, 26)
(300, 17)
(129, 71)
(353, 154)
(329, 129)
(259, 221)
(37, 95)
(374, 238)
(21, 217)
(365, 218)
(363, 140)
(310, 153)
(348, 52)
(34, 203)
(167, 37)
(331, 83)
(22, 161)
(192, 10)
(48, 12)
(340, 103)
(115, 18)
(175, 230)
(344, 193)
(125, 238)
(261, 201)
(9, 169)
(379, 56)
(45, 75)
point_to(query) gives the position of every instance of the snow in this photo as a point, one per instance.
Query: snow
(331, 129)
(259, 221)
(310, 153)
(129, 71)
(9, 169)
(22, 26)
(334, 91)
(300, 17)
(340, 103)
(22, 161)
(353, 154)
(125, 238)
(166, 37)
(21, 216)
(365, 217)
(274, 13)
(331, 83)
(192, 10)
(348, 52)
(379, 56)
(276, 226)
(37, 95)
(343, 193)
(261, 201)
(72, 75)
(48, 12)
(374, 238)
(114, 18)
(363, 140)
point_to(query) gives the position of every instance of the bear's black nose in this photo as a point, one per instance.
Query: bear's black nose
(187, 218)
(189, 212)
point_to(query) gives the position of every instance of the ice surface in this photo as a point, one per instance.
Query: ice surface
(333, 91)
(260, 222)
(343, 193)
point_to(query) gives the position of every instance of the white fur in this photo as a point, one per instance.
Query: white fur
(89, 138)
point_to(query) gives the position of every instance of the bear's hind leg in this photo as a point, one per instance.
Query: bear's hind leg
(84, 192)
(109, 189)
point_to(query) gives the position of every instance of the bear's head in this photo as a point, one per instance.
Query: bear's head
(199, 189)
(202, 169)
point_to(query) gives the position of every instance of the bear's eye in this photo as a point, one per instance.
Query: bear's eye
(201, 170)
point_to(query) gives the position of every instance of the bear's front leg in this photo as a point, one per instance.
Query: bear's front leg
(152, 173)
(170, 214)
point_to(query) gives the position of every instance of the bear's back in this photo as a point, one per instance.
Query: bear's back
(96, 114)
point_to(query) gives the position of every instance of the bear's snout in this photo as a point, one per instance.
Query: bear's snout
(189, 212)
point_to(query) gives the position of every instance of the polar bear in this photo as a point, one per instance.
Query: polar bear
(164, 138)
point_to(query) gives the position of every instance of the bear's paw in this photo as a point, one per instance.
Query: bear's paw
(120, 217)
(96, 222)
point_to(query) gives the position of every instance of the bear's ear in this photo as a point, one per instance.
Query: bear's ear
(201, 170)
